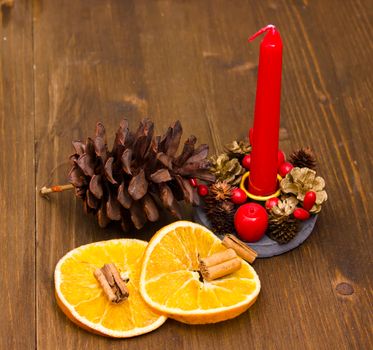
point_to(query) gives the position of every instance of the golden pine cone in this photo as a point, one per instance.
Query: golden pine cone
(301, 180)
(226, 169)
(238, 148)
(285, 206)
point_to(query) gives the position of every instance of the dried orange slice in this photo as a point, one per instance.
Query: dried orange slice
(170, 282)
(82, 299)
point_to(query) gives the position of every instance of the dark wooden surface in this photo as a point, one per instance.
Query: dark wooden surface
(66, 64)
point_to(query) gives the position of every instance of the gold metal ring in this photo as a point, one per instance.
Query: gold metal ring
(255, 197)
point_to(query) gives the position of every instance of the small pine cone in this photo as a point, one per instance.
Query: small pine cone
(226, 169)
(285, 206)
(221, 217)
(303, 158)
(221, 190)
(238, 148)
(219, 208)
(301, 180)
(282, 229)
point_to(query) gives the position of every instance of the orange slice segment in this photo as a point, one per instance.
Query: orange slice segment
(81, 298)
(171, 284)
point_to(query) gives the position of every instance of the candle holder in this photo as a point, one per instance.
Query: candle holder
(291, 211)
(243, 187)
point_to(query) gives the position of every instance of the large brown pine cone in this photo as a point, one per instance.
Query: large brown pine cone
(139, 175)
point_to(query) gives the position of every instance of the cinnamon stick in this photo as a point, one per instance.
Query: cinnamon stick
(219, 264)
(111, 283)
(244, 251)
(225, 268)
(105, 285)
(218, 258)
(117, 280)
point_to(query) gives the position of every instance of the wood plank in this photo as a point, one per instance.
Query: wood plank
(17, 182)
(190, 60)
(83, 75)
(314, 104)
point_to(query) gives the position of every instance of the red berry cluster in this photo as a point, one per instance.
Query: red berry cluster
(308, 202)
(202, 190)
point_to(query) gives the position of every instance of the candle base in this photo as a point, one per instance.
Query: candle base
(256, 197)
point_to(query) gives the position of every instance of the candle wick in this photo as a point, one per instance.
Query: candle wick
(261, 31)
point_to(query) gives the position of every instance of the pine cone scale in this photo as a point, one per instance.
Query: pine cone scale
(187, 151)
(161, 175)
(102, 218)
(113, 208)
(79, 147)
(100, 148)
(108, 168)
(126, 161)
(95, 186)
(199, 155)
(138, 186)
(150, 208)
(92, 201)
(76, 177)
(124, 197)
(175, 139)
(86, 164)
(186, 188)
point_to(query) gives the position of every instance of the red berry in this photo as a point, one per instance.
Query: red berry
(285, 168)
(193, 182)
(251, 134)
(309, 200)
(251, 222)
(246, 161)
(280, 158)
(203, 190)
(238, 196)
(271, 202)
(301, 214)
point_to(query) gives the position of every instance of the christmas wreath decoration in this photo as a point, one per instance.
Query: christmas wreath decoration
(301, 192)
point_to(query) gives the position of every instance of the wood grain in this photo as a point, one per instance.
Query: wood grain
(67, 64)
(17, 180)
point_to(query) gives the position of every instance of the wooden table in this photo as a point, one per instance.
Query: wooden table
(66, 64)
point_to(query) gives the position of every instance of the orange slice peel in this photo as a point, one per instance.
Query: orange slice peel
(171, 283)
(82, 299)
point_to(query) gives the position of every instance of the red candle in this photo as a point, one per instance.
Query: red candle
(263, 167)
